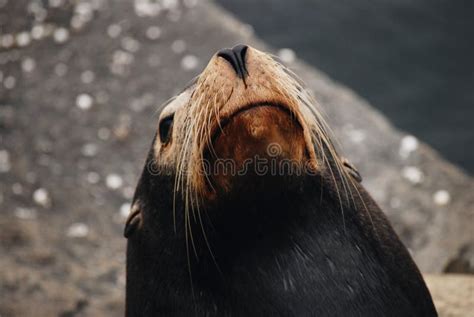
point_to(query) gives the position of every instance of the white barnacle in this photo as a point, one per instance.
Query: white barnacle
(77, 230)
(7, 40)
(153, 32)
(61, 35)
(130, 44)
(114, 181)
(28, 64)
(408, 145)
(23, 39)
(114, 30)
(189, 62)
(413, 174)
(5, 163)
(287, 55)
(89, 149)
(441, 197)
(93, 177)
(178, 46)
(145, 8)
(9, 82)
(87, 77)
(41, 197)
(25, 213)
(125, 210)
(84, 101)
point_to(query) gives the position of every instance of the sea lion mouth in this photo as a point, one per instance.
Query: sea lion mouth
(223, 122)
(253, 142)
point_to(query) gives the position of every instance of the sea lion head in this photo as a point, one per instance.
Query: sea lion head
(243, 110)
(209, 184)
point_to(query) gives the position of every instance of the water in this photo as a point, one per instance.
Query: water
(412, 59)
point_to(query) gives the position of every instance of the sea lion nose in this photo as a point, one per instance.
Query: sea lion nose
(236, 58)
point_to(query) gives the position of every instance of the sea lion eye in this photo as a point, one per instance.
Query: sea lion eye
(165, 129)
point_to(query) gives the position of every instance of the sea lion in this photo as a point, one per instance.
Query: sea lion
(244, 208)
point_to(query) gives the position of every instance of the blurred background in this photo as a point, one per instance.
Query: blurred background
(80, 81)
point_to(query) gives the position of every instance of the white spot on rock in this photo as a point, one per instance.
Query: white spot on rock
(28, 65)
(153, 32)
(84, 101)
(114, 181)
(9, 82)
(287, 55)
(357, 136)
(78, 21)
(93, 177)
(5, 164)
(128, 192)
(114, 30)
(7, 40)
(17, 189)
(442, 198)
(23, 39)
(25, 213)
(87, 77)
(408, 145)
(190, 3)
(122, 58)
(41, 197)
(145, 8)
(178, 46)
(55, 3)
(413, 174)
(189, 62)
(89, 149)
(78, 230)
(83, 13)
(120, 61)
(38, 32)
(61, 35)
(125, 210)
(130, 44)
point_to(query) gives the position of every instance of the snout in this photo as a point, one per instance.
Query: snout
(251, 119)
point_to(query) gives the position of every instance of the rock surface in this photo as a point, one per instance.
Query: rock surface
(79, 84)
(453, 294)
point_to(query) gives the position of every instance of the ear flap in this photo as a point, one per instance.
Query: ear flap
(351, 170)
(134, 221)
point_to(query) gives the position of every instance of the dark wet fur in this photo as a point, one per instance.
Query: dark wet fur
(280, 253)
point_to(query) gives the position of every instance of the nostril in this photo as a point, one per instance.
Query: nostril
(236, 58)
(229, 56)
(240, 51)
